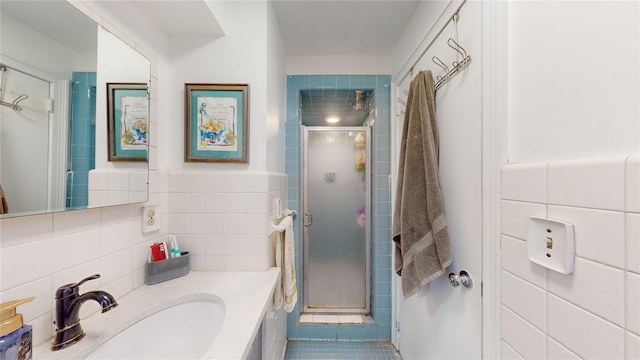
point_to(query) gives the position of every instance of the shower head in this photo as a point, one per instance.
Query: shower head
(358, 104)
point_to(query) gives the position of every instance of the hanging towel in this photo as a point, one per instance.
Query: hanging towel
(420, 232)
(4, 207)
(285, 260)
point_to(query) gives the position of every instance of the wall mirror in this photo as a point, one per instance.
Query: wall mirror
(56, 65)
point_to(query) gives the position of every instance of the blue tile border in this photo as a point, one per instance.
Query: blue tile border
(82, 133)
(381, 205)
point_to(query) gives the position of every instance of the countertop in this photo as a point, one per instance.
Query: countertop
(245, 296)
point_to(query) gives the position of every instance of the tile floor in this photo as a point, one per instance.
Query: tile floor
(340, 350)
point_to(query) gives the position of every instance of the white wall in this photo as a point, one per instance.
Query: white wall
(421, 22)
(237, 57)
(276, 82)
(593, 313)
(573, 79)
(338, 65)
(569, 98)
(46, 53)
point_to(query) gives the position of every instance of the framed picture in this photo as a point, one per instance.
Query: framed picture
(217, 123)
(127, 121)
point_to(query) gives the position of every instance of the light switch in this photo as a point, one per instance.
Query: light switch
(551, 243)
(150, 218)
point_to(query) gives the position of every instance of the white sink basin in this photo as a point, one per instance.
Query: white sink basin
(184, 331)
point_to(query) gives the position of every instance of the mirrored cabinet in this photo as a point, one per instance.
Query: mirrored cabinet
(72, 94)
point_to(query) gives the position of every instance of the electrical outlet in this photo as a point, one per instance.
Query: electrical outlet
(150, 218)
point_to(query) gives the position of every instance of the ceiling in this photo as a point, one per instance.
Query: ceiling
(56, 19)
(316, 105)
(339, 27)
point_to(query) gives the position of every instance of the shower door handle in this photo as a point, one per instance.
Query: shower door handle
(309, 218)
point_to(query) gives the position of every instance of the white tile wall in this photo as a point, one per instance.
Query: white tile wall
(523, 337)
(582, 332)
(594, 312)
(597, 183)
(633, 346)
(507, 353)
(40, 253)
(224, 217)
(558, 352)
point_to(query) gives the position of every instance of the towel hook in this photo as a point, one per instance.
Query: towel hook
(457, 47)
(444, 67)
(19, 99)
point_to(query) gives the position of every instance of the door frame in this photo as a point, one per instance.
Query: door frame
(494, 147)
(305, 209)
(59, 93)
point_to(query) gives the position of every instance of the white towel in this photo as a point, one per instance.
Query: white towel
(285, 260)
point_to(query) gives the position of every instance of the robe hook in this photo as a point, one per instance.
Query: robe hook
(444, 67)
(20, 98)
(457, 47)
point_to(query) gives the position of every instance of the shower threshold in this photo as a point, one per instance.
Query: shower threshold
(336, 319)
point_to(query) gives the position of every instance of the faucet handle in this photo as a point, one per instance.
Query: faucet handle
(72, 288)
(92, 277)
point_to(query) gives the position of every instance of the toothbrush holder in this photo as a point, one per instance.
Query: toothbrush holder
(159, 271)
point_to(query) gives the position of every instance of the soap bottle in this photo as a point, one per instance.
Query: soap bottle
(15, 337)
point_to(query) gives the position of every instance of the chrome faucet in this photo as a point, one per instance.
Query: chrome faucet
(68, 303)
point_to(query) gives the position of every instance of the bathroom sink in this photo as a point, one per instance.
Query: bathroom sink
(184, 331)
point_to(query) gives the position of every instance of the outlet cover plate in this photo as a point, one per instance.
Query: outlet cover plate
(150, 218)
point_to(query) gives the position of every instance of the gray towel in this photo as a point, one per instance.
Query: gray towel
(420, 232)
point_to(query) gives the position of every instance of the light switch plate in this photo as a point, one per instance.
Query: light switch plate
(551, 243)
(150, 218)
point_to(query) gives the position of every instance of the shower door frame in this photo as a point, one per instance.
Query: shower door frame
(305, 210)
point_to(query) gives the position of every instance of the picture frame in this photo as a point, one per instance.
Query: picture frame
(216, 123)
(127, 121)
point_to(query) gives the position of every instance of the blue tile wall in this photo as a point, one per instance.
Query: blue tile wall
(83, 131)
(380, 327)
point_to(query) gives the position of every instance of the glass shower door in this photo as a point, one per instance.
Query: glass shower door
(336, 219)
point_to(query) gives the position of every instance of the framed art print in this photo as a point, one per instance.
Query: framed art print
(127, 121)
(217, 123)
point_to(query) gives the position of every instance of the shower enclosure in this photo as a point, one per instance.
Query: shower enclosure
(336, 205)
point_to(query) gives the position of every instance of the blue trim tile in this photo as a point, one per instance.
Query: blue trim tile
(383, 275)
(344, 333)
(301, 81)
(370, 333)
(383, 333)
(383, 302)
(357, 332)
(330, 332)
(370, 81)
(291, 141)
(316, 332)
(292, 127)
(292, 167)
(303, 332)
(315, 82)
(329, 81)
(343, 82)
(356, 82)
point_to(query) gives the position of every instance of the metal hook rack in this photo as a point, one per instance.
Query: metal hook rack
(14, 105)
(458, 66)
